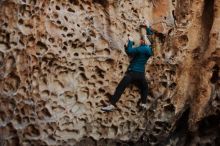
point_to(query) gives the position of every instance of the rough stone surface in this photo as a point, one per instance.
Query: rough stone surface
(61, 60)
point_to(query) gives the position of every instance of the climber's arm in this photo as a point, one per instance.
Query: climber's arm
(130, 50)
(149, 51)
(133, 51)
(149, 30)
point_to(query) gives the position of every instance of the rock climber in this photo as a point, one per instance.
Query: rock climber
(136, 70)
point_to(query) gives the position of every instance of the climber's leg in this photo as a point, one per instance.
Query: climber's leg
(128, 78)
(121, 87)
(141, 83)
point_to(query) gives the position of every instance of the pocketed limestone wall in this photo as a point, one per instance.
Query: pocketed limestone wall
(60, 61)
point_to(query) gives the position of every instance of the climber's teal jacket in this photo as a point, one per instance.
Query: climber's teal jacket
(140, 55)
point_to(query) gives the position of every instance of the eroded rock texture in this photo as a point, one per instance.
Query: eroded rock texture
(61, 60)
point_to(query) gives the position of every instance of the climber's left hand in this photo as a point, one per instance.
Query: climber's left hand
(145, 23)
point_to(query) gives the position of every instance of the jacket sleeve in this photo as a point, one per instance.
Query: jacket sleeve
(130, 50)
(149, 51)
(149, 31)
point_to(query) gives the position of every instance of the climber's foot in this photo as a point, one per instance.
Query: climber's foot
(108, 108)
(143, 106)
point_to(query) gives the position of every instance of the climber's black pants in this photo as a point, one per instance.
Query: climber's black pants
(136, 78)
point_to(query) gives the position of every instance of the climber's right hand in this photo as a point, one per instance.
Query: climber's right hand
(130, 38)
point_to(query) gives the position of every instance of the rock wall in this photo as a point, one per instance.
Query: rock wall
(60, 61)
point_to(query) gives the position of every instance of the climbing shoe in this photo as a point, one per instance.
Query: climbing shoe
(143, 106)
(108, 108)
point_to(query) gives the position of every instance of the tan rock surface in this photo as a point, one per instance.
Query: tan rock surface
(60, 61)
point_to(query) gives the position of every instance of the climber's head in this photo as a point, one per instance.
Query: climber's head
(142, 40)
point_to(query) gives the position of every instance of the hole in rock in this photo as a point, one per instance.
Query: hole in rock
(74, 45)
(12, 83)
(161, 124)
(69, 35)
(93, 77)
(81, 69)
(83, 77)
(81, 7)
(57, 8)
(64, 48)
(172, 86)
(31, 39)
(10, 62)
(65, 18)
(164, 84)
(106, 51)
(71, 10)
(2, 115)
(168, 100)
(161, 36)
(44, 113)
(110, 61)
(76, 54)
(104, 3)
(135, 11)
(75, 2)
(65, 29)
(88, 39)
(84, 34)
(215, 72)
(51, 40)
(29, 26)
(65, 43)
(100, 72)
(1, 58)
(41, 48)
(100, 82)
(183, 40)
(157, 130)
(58, 21)
(55, 15)
(108, 95)
(169, 108)
(101, 90)
(20, 21)
(208, 14)
(32, 130)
